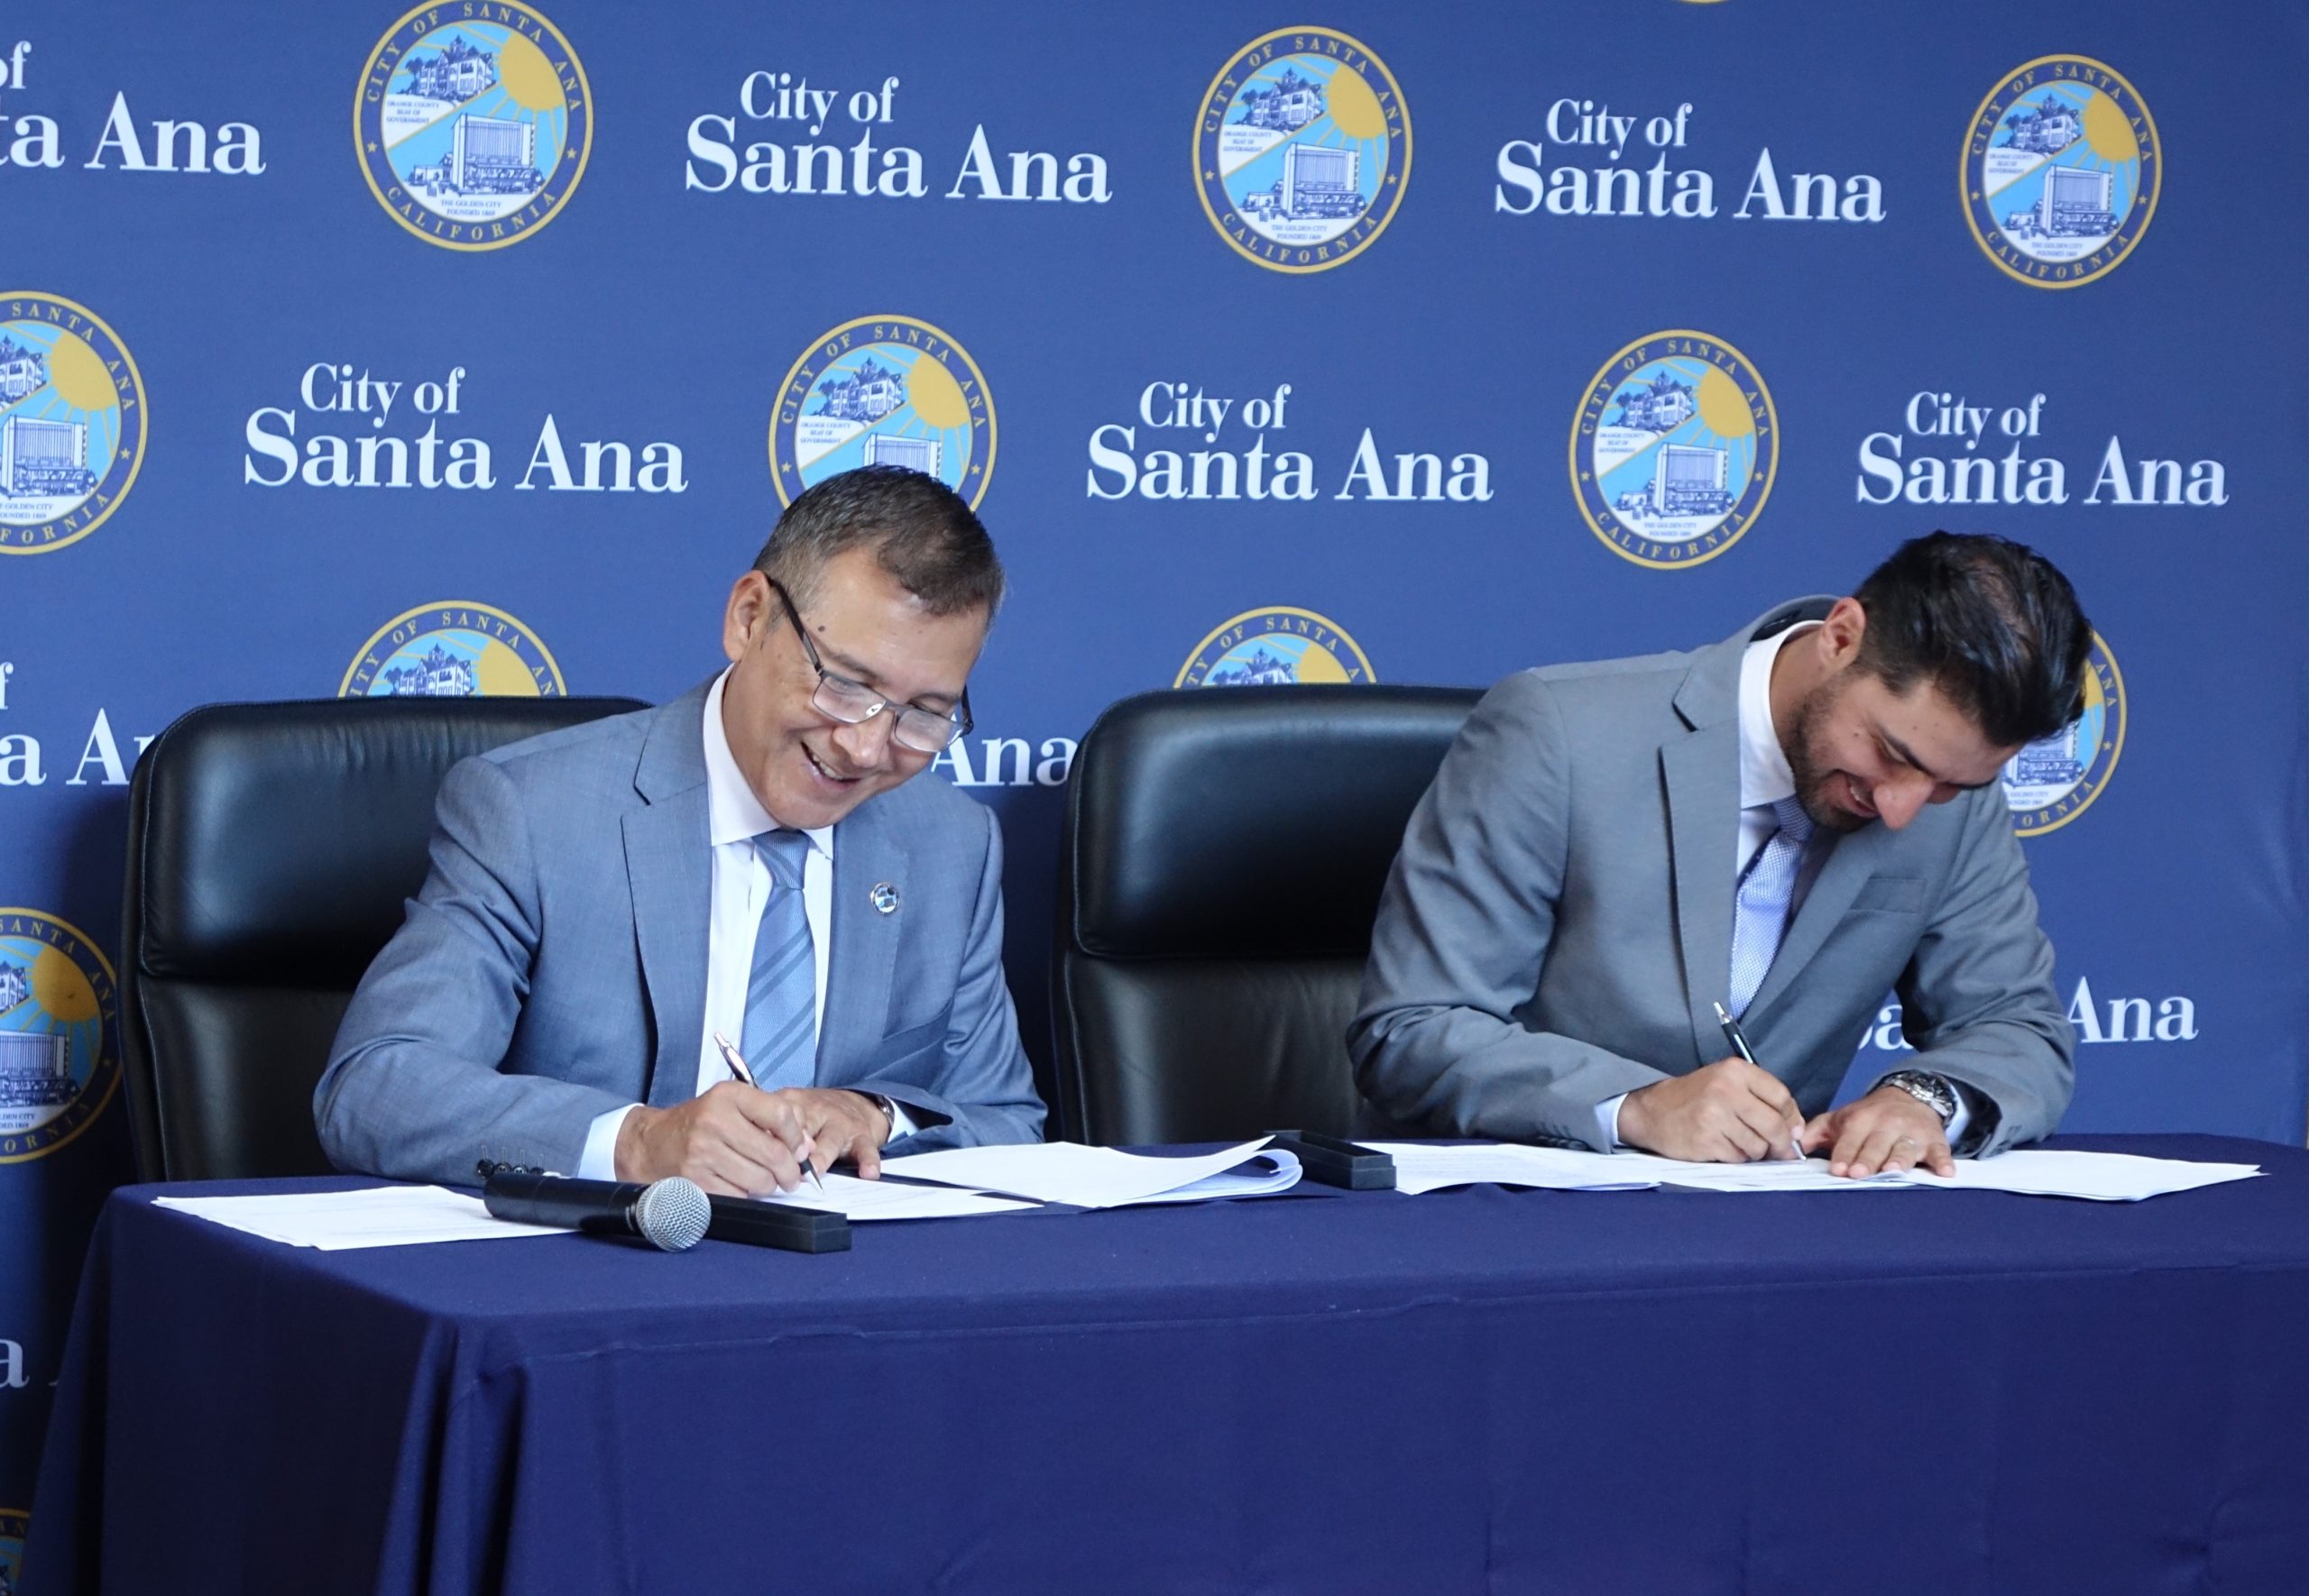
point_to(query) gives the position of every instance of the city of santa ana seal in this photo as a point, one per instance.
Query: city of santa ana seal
(883, 391)
(1302, 150)
(59, 1034)
(1264, 647)
(473, 130)
(71, 422)
(15, 1525)
(453, 648)
(2061, 171)
(1674, 449)
(2052, 781)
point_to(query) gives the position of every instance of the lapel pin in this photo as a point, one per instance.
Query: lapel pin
(884, 897)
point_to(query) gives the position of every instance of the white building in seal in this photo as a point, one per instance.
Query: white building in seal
(35, 1067)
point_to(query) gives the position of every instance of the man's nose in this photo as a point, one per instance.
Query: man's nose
(1901, 801)
(867, 743)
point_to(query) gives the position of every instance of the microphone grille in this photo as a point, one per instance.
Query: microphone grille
(672, 1213)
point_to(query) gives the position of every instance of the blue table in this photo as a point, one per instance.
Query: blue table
(1474, 1390)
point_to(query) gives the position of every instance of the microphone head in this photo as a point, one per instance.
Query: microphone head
(672, 1213)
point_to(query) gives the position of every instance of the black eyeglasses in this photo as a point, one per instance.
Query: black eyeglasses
(853, 703)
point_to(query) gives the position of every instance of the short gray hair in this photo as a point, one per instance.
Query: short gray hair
(921, 532)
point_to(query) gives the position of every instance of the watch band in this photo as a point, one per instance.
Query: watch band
(1931, 1090)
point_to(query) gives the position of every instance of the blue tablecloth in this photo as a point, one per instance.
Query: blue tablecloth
(1473, 1390)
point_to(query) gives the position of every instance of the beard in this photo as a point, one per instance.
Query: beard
(1811, 767)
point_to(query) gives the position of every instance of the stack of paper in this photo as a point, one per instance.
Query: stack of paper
(891, 1200)
(1422, 1166)
(1097, 1177)
(2100, 1177)
(373, 1217)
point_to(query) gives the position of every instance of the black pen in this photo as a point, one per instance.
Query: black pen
(1739, 1041)
(738, 1067)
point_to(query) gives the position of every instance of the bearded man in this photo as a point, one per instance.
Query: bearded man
(1789, 823)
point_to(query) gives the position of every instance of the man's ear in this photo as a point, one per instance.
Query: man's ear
(748, 612)
(1842, 633)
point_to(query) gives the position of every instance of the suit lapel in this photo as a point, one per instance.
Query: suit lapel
(867, 853)
(669, 871)
(1701, 771)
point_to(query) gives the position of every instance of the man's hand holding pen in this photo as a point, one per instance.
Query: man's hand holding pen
(1730, 1112)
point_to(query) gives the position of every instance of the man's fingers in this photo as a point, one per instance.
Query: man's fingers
(1745, 1143)
(1776, 1132)
(1940, 1159)
(1770, 1089)
(1875, 1146)
(775, 1113)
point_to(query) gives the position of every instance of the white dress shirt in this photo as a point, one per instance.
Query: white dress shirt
(1765, 778)
(741, 889)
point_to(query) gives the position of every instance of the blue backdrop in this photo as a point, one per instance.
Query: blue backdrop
(477, 349)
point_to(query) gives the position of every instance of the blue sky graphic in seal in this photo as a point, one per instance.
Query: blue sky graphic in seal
(2053, 780)
(883, 391)
(453, 648)
(1260, 647)
(71, 422)
(59, 1034)
(1302, 150)
(474, 131)
(1674, 449)
(2062, 167)
(15, 1525)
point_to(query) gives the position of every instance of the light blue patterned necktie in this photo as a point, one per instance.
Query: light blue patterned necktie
(781, 1034)
(1767, 888)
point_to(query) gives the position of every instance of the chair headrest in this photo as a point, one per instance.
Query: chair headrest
(1246, 821)
(277, 842)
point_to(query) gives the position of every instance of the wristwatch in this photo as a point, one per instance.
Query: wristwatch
(1931, 1090)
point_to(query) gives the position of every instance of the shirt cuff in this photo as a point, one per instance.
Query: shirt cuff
(1963, 1117)
(599, 1160)
(901, 1122)
(1607, 1123)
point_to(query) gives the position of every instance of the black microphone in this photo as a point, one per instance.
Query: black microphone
(670, 1215)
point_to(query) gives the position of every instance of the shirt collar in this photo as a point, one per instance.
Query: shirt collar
(733, 814)
(1764, 774)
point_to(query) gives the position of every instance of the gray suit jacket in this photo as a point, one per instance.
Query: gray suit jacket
(553, 966)
(1558, 921)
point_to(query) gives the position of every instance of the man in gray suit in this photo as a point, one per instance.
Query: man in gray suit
(752, 859)
(1793, 822)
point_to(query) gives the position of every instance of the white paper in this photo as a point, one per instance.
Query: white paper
(371, 1216)
(1281, 1176)
(1068, 1172)
(1422, 1167)
(891, 1200)
(2101, 1177)
(2097, 1177)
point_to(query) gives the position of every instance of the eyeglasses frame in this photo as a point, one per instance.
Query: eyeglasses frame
(959, 719)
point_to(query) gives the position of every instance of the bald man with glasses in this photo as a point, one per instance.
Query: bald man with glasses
(616, 909)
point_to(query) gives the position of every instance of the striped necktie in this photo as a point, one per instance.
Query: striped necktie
(780, 1040)
(1767, 888)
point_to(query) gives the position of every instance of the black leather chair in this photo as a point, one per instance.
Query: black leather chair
(1221, 861)
(271, 847)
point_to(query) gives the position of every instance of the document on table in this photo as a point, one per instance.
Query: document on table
(892, 1199)
(2100, 1177)
(1422, 1166)
(1093, 1176)
(372, 1217)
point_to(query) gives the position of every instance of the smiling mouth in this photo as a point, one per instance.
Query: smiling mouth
(840, 781)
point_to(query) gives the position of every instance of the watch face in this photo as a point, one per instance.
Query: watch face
(1930, 1090)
